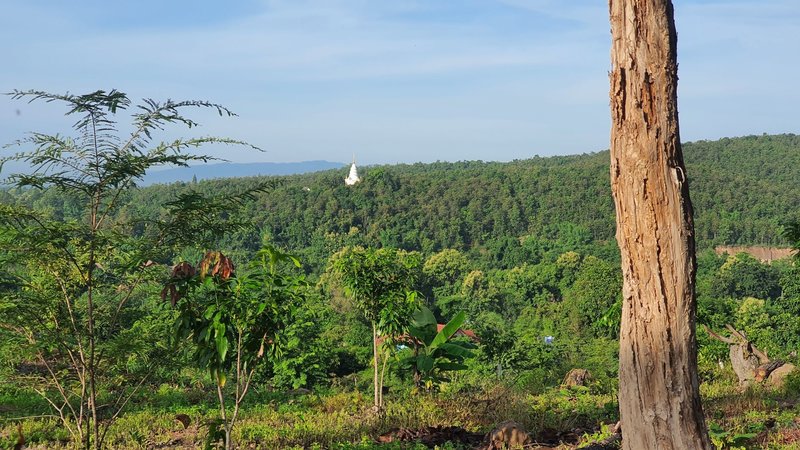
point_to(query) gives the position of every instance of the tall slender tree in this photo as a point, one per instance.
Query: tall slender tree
(74, 281)
(659, 387)
(380, 282)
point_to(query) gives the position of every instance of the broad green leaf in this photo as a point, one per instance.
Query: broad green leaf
(449, 330)
(423, 318)
(210, 311)
(222, 346)
(416, 332)
(456, 349)
(447, 366)
(203, 335)
(424, 363)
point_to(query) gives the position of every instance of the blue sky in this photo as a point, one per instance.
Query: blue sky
(394, 80)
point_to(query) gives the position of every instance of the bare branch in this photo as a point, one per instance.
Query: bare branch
(740, 335)
(719, 337)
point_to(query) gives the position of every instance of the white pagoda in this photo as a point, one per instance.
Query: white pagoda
(352, 177)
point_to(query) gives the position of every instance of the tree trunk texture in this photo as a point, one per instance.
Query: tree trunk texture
(658, 382)
(744, 362)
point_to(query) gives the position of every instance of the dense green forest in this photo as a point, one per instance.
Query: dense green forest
(522, 253)
(502, 214)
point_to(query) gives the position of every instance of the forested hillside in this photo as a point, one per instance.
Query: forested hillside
(743, 189)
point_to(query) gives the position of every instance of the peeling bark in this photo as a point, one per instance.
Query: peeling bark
(659, 387)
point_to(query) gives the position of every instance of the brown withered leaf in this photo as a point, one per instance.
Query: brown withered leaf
(209, 259)
(224, 267)
(174, 295)
(20, 438)
(164, 292)
(183, 270)
(215, 263)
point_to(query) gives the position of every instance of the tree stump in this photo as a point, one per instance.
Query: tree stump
(577, 377)
(744, 362)
(508, 435)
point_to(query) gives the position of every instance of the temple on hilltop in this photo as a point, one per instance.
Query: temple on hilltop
(352, 177)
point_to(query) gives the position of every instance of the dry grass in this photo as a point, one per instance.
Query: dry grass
(345, 421)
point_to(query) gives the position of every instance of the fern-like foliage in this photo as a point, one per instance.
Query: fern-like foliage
(68, 285)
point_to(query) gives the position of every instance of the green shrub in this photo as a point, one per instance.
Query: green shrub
(791, 385)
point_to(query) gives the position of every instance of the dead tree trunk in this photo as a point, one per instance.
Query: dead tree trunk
(658, 384)
(750, 363)
(745, 358)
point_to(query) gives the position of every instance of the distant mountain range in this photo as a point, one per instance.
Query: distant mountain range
(229, 170)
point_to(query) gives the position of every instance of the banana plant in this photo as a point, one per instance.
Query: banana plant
(433, 352)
